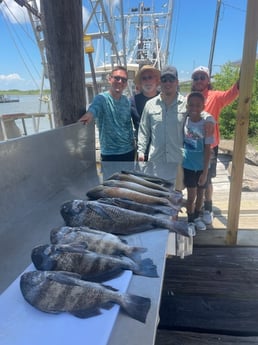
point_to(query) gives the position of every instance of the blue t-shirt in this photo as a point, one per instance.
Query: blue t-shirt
(113, 119)
(194, 141)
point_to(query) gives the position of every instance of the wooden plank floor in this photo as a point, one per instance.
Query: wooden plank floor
(210, 297)
(248, 217)
(165, 337)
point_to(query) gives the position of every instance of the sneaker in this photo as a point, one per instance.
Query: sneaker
(207, 217)
(191, 229)
(199, 224)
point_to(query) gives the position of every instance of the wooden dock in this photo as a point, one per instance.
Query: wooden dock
(248, 217)
(211, 297)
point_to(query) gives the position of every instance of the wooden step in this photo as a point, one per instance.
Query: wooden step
(165, 337)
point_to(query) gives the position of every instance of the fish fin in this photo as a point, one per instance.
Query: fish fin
(181, 227)
(101, 277)
(136, 306)
(114, 176)
(110, 287)
(135, 254)
(170, 211)
(84, 314)
(146, 268)
(107, 305)
(178, 226)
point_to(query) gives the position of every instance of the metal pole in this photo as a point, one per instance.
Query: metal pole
(214, 36)
(93, 75)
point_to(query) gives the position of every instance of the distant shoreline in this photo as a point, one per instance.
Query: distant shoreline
(185, 88)
(21, 92)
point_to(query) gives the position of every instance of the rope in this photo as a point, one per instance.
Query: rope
(8, 25)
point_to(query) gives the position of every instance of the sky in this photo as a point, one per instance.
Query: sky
(190, 45)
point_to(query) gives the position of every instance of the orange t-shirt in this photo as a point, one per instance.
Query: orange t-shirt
(215, 101)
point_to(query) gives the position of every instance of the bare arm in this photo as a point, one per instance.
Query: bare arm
(86, 118)
(209, 128)
(207, 154)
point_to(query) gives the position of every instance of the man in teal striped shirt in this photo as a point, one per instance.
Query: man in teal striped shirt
(112, 113)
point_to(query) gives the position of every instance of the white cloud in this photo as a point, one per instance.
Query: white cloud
(10, 77)
(14, 81)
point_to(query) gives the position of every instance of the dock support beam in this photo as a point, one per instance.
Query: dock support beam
(241, 133)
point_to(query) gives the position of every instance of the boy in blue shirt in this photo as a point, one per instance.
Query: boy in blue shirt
(196, 158)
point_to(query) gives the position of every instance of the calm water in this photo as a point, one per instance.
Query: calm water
(27, 104)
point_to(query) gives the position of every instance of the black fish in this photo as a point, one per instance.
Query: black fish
(96, 241)
(56, 292)
(139, 207)
(90, 265)
(115, 219)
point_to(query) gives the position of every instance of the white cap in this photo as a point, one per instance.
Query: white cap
(201, 69)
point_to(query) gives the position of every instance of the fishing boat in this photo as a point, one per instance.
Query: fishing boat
(122, 34)
(8, 99)
(132, 36)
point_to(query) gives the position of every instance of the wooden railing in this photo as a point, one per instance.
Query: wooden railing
(9, 128)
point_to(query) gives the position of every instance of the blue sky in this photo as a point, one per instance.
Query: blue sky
(192, 30)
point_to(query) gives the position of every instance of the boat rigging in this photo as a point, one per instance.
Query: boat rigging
(132, 36)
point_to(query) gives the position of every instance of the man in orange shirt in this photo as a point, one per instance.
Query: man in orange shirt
(215, 101)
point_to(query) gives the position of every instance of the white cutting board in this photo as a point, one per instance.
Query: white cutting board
(22, 324)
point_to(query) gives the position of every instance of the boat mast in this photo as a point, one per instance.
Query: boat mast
(214, 36)
(169, 29)
(152, 35)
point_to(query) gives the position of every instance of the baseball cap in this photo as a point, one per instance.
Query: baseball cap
(201, 69)
(146, 68)
(169, 70)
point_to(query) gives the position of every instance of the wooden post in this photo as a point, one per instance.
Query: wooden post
(63, 35)
(246, 85)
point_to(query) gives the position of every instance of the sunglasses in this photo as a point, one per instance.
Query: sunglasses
(201, 77)
(147, 77)
(167, 78)
(117, 78)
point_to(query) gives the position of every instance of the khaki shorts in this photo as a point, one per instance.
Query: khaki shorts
(179, 184)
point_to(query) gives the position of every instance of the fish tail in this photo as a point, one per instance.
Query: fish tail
(146, 268)
(179, 226)
(167, 210)
(182, 228)
(136, 306)
(176, 198)
(135, 253)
